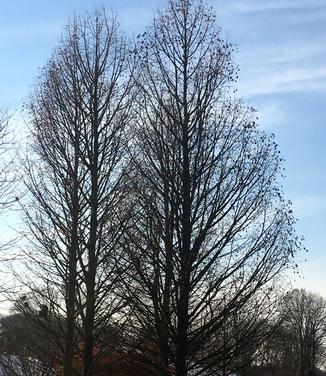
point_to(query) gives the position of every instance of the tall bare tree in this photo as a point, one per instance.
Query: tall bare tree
(304, 322)
(211, 230)
(8, 170)
(78, 114)
(9, 196)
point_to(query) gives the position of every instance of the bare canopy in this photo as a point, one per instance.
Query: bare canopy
(211, 230)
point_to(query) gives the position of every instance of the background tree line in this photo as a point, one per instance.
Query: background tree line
(155, 222)
(291, 342)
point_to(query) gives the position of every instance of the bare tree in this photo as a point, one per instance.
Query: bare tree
(239, 341)
(210, 229)
(78, 114)
(304, 320)
(8, 169)
(26, 349)
(9, 196)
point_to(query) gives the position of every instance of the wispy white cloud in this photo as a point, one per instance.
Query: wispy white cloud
(287, 61)
(270, 5)
(291, 52)
(258, 82)
(271, 115)
(309, 16)
(30, 29)
(309, 206)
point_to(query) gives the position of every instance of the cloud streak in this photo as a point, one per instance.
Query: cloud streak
(288, 80)
(287, 53)
(275, 5)
(30, 30)
(271, 115)
(309, 206)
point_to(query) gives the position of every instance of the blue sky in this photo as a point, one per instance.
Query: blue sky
(282, 59)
